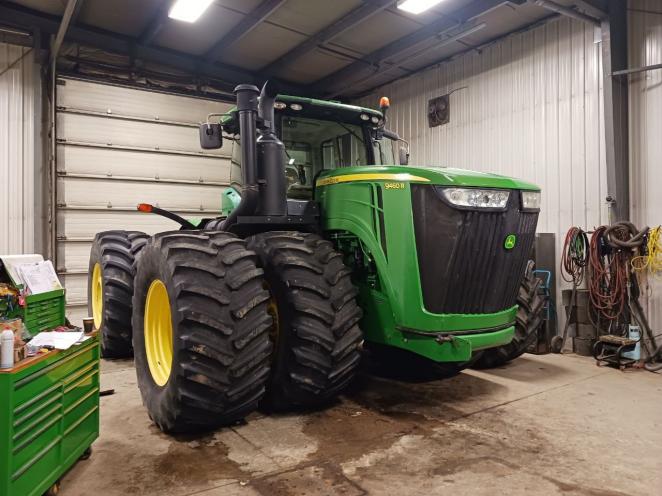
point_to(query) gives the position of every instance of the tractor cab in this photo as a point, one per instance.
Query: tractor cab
(321, 136)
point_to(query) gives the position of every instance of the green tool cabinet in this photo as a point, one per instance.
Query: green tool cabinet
(43, 311)
(49, 417)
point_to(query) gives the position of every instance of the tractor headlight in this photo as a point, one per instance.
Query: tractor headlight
(477, 198)
(531, 200)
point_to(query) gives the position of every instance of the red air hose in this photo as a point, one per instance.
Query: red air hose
(610, 252)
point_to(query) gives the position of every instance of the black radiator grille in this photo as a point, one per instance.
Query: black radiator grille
(463, 264)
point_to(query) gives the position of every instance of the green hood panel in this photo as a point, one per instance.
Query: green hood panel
(441, 176)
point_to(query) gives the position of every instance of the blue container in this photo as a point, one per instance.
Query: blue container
(635, 334)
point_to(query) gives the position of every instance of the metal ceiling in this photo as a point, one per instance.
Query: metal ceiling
(339, 48)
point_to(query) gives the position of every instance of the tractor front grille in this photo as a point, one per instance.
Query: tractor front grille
(463, 264)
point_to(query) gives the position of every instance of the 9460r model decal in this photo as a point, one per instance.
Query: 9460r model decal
(371, 177)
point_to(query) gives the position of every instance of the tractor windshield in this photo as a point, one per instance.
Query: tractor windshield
(313, 145)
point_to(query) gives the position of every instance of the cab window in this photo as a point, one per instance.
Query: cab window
(313, 145)
(385, 152)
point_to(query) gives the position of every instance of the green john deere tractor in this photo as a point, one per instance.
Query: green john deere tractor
(327, 243)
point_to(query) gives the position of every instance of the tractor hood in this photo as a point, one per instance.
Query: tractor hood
(427, 175)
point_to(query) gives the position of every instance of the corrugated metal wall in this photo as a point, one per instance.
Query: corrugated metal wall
(645, 31)
(17, 181)
(530, 106)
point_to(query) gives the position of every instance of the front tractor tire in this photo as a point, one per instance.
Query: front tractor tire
(528, 320)
(201, 330)
(110, 288)
(317, 335)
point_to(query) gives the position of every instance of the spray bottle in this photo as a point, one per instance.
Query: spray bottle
(7, 349)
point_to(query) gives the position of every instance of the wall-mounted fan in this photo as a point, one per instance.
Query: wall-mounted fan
(438, 111)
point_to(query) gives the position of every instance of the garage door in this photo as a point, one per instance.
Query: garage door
(117, 147)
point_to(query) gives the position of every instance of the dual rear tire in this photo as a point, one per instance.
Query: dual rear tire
(317, 335)
(222, 324)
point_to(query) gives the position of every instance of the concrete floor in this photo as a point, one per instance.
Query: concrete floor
(544, 425)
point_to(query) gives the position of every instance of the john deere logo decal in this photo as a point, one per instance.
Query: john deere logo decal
(510, 242)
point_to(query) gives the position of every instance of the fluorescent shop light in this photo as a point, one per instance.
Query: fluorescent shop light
(417, 6)
(188, 10)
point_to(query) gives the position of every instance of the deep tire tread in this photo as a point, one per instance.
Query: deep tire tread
(319, 343)
(116, 252)
(220, 326)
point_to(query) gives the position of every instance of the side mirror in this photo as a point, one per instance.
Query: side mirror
(403, 155)
(211, 136)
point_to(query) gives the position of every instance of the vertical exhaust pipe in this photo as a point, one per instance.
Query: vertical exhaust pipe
(270, 158)
(247, 108)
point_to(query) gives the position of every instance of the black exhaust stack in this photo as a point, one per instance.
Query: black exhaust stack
(270, 158)
(247, 98)
(264, 204)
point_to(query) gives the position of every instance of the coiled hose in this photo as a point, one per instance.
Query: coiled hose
(613, 287)
(574, 260)
(651, 258)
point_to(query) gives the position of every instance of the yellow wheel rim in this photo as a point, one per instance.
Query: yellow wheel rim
(158, 332)
(97, 295)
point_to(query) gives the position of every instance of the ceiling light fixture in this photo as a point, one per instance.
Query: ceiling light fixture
(417, 6)
(188, 10)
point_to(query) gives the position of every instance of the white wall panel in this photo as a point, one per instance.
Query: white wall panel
(645, 31)
(529, 106)
(17, 182)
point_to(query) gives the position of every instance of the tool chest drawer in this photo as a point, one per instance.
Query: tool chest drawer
(49, 417)
(44, 311)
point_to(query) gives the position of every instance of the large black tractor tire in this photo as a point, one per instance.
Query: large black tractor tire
(200, 297)
(317, 337)
(115, 253)
(528, 320)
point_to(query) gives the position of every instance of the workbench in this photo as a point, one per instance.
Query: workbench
(49, 417)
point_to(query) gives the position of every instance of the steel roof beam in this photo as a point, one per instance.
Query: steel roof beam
(594, 8)
(615, 95)
(566, 11)
(252, 20)
(349, 74)
(348, 21)
(113, 42)
(69, 16)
